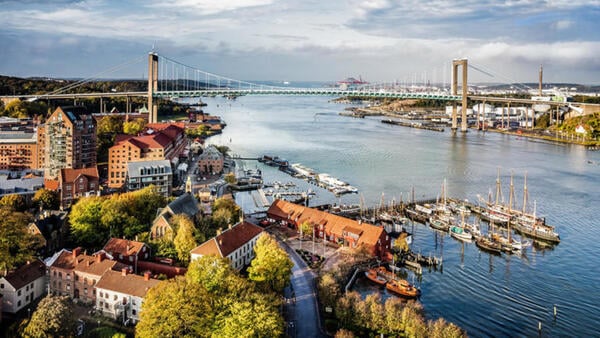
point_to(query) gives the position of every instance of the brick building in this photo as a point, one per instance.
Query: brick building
(159, 141)
(211, 161)
(19, 150)
(127, 252)
(76, 183)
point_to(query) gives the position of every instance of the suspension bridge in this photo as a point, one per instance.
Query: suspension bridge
(170, 79)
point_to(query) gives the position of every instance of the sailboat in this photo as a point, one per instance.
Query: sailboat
(462, 233)
(488, 244)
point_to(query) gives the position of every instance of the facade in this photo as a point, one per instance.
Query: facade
(236, 244)
(52, 229)
(76, 183)
(21, 287)
(25, 184)
(335, 229)
(211, 161)
(185, 204)
(144, 173)
(127, 252)
(69, 140)
(164, 142)
(120, 295)
(75, 274)
(19, 150)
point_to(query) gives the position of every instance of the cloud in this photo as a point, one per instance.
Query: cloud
(208, 7)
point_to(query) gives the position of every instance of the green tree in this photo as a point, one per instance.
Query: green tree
(213, 273)
(254, 317)
(134, 127)
(329, 290)
(222, 218)
(306, 229)
(17, 245)
(230, 178)
(184, 240)
(271, 268)
(85, 218)
(53, 318)
(176, 308)
(223, 150)
(46, 199)
(109, 125)
(14, 201)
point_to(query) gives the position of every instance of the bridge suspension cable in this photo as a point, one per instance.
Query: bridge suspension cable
(486, 70)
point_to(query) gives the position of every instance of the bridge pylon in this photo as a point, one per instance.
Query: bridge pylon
(152, 87)
(454, 91)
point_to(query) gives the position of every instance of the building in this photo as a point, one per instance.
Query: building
(211, 161)
(120, 295)
(68, 140)
(23, 183)
(18, 150)
(336, 229)
(164, 142)
(236, 244)
(52, 229)
(76, 183)
(185, 204)
(75, 274)
(127, 252)
(144, 173)
(21, 287)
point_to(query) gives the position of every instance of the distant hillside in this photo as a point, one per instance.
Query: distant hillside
(31, 86)
(579, 87)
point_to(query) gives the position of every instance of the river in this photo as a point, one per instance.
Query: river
(503, 296)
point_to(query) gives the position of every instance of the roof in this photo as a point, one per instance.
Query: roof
(229, 240)
(128, 284)
(133, 168)
(83, 263)
(124, 247)
(184, 204)
(369, 234)
(26, 274)
(69, 175)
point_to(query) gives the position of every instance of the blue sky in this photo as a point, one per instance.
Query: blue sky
(326, 40)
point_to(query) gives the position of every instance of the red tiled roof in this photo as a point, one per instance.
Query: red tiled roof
(128, 284)
(229, 240)
(122, 137)
(51, 184)
(369, 234)
(26, 274)
(116, 246)
(69, 175)
(84, 263)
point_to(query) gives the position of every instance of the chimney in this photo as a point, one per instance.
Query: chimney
(147, 275)
(76, 252)
(220, 242)
(100, 257)
(87, 262)
(124, 272)
(230, 226)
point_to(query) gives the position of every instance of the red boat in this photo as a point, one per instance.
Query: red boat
(375, 277)
(403, 288)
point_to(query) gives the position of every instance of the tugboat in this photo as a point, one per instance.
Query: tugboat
(403, 288)
(375, 277)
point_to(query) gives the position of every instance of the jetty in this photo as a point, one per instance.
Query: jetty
(417, 125)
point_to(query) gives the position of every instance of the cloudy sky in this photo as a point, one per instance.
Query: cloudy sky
(381, 40)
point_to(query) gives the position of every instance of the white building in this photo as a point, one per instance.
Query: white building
(236, 244)
(21, 287)
(119, 295)
(144, 173)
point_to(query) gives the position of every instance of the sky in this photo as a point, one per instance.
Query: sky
(302, 40)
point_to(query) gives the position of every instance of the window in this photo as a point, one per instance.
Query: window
(101, 294)
(115, 297)
(1, 285)
(19, 293)
(133, 312)
(131, 258)
(18, 303)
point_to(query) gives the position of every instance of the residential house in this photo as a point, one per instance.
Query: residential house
(144, 173)
(75, 274)
(336, 229)
(51, 228)
(24, 183)
(127, 252)
(236, 244)
(21, 287)
(185, 204)
(67, 140)
(211, 161)
(76, 183)
(120, 295)
(159, 141)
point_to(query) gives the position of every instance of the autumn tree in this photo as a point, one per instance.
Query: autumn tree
(14, 201)
(271, 268)
(230, 178)
(184, 240)
(46, 199)
(134, 127)
(53, 318)
(328, 289)
(17, 245)
(306, 228)
(343, 333)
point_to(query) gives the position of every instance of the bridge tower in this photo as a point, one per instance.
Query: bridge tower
(152, 87)
(455, 64)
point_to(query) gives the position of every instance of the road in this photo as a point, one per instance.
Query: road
(301, 309)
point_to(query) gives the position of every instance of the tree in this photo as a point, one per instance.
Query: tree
(52, 318)
(184, 240)
(221, 218)
(213, 273)
(226, 203)
(17, 245)
(134, 127)
(343, 333)
(255, 317)
(230, 178)
(223, 150)
(85, 218)
(329, 290)
(271, 268)
(46, 199)
(306, 228)
(14, 201)
(176, 308)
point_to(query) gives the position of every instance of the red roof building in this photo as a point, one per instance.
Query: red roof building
(76, 183)
(336, 229)
(127, 252)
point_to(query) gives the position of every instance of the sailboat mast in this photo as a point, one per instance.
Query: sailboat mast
(498, 187)
(525, 195)
(512, 193)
